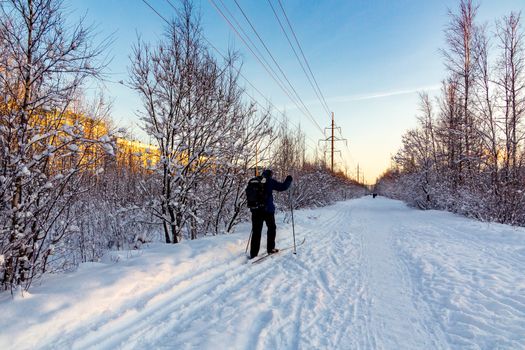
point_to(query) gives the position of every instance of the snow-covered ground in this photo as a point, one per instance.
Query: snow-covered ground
(373, 274)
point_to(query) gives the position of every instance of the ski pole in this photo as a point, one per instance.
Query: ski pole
(293, 224)
(248, 243)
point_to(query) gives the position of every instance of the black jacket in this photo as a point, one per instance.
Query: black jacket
(274, 185)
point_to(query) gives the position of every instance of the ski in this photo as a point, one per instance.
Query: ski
(258, 260)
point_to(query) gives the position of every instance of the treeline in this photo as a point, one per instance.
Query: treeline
(467, 153)
(71, 188)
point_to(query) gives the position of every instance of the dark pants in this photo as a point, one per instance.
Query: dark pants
(258, 217)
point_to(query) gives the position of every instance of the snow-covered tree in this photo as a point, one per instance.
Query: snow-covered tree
(45, 150)
(477, 136)
(459, 60)
(195, 112)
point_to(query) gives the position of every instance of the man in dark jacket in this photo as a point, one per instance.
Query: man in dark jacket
(267, 215)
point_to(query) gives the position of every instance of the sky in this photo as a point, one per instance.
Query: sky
(370, 60)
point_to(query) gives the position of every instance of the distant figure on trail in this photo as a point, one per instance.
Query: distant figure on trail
(260, 201)
(374, 195)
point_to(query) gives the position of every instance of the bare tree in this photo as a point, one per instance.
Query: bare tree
(460, 36)
(485, 106)
(511, 67)
(479, 134)
(449, 132)
(226, 199)
(195, 112)
(43, 147)
(418, 157)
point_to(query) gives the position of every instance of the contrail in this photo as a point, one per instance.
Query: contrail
(375, 95)
(369, 96)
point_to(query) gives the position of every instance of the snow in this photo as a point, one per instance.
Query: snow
(105, 139)
(373, 274)
(73, 147)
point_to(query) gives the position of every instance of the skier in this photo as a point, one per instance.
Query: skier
(267, 214)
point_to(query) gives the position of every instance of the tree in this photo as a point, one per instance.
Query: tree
(226, 199)
(477, 140)
(511, 82)
(193, 109)
(449, 132)
(485, 107)
(460, 35)
(43, 147)
(511, 67)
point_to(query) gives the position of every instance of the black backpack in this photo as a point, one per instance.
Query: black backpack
(255, 193)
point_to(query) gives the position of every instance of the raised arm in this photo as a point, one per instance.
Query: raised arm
(282, 186)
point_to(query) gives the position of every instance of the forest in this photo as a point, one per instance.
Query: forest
(467, 153)
(74, 185)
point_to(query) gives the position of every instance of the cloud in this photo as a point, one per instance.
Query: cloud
(368, 96)
(371, 96)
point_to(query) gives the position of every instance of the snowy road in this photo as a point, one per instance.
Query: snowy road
(373, 274)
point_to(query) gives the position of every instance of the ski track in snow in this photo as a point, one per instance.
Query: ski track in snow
(373, 274)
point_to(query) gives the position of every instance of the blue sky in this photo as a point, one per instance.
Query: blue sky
(369, 57)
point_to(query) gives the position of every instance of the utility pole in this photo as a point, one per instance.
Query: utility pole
(332, 140)
(256, 160)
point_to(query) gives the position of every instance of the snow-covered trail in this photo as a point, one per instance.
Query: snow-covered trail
(373, 274)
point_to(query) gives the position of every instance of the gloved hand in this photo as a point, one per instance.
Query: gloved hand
(289, 178)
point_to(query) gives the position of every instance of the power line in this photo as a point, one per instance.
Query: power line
(260, 57)
(302, 52)
(153, 9)
(282, 122)
(323, 103)
(308, 113)
(277, 64)
(247, 80)
(274, 60)
(309, 69)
